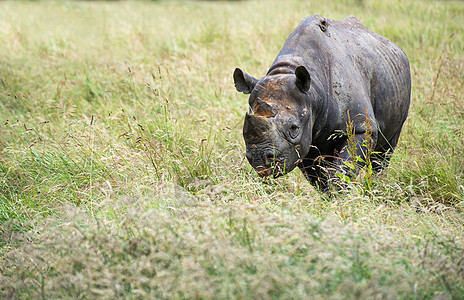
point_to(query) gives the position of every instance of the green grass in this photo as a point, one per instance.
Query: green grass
(122, 168)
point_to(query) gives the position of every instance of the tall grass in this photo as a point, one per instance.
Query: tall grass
(122, 172)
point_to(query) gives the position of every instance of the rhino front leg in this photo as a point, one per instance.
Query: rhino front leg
(313, 168)
(353, 153)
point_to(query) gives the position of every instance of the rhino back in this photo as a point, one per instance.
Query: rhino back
(356, 68)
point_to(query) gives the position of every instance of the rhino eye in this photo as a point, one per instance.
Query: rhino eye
(294, 131)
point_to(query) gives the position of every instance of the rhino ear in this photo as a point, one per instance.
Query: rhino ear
(243, 82)
(303, 79)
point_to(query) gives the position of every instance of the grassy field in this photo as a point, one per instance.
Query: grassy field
(122, 167)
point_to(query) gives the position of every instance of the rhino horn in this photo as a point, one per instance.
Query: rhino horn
(261, 108)
(255, 128)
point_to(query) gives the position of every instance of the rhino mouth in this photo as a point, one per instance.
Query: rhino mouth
(264, 172)
(274, 171)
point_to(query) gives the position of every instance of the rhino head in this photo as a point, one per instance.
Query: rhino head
(278, 128)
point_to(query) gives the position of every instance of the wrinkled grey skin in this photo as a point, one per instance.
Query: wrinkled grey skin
(327, 73)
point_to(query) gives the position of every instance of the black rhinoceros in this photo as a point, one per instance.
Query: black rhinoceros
(329, 73)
